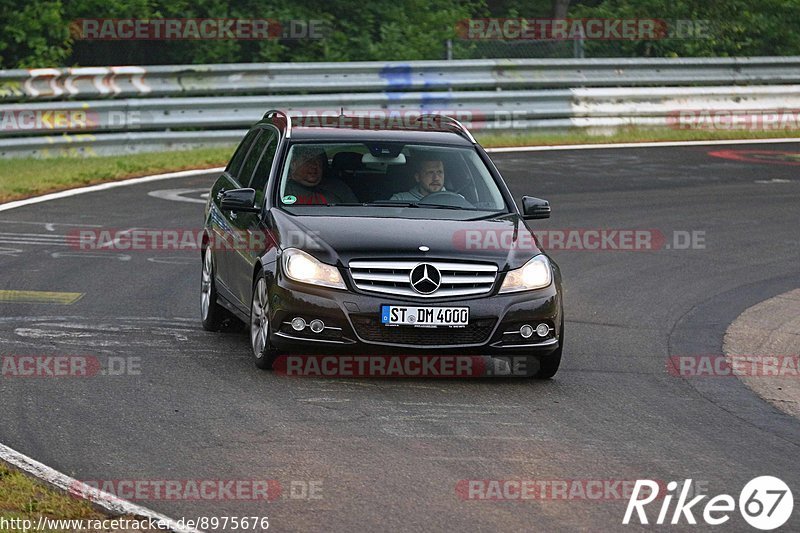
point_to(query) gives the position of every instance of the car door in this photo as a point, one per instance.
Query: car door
(249, 226)
(222, 222)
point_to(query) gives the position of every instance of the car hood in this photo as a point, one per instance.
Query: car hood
(504, 241)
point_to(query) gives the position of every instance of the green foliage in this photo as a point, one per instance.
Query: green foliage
(35, 33)
(736, 27)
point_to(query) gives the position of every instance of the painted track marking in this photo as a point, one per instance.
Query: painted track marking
(40, 297)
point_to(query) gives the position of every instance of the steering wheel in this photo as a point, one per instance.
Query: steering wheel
(466, 188)
(447, 198)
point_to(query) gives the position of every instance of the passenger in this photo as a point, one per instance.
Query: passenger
(307, 183)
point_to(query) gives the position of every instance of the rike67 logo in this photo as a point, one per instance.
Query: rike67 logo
(765, 503)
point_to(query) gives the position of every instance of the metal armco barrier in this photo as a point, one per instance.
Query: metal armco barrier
(276, 78)
(121, 109)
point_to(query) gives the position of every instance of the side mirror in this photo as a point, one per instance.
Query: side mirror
(533, 208)
(239, 200)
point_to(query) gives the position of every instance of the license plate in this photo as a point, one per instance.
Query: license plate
(393, 315)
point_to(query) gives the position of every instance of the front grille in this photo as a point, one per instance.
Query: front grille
(393, 277)
(371, 329)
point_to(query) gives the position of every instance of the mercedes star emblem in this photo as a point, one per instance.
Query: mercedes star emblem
(425, 278)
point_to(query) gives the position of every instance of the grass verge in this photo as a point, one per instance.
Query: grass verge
(22, 178)
(23, 498)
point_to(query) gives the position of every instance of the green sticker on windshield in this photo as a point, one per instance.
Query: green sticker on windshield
(289, 199)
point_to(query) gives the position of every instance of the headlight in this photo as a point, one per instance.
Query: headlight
(302, 267)
(535, 274)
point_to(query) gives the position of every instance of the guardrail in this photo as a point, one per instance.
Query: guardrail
(118, 109)
(275, 78)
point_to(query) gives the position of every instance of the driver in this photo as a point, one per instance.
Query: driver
(430, 179)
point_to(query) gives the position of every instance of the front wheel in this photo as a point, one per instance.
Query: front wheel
(211, 312)
(263, 352)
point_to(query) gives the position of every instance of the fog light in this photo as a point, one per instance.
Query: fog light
(298, 323)
(317, 325)
(543, 330)
(526, 331)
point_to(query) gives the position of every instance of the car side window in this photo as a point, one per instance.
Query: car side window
(261, 176)
(250, 162)
(239, 156)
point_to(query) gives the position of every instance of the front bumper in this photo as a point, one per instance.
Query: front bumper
(352, 320)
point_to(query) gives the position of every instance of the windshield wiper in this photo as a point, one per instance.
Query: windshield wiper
(370, 204)
(492, 214)
(392, 203)
(440, 206)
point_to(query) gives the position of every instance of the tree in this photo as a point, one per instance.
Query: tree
(33, 34)
(560, 9)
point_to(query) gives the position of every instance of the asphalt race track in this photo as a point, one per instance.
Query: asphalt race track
(380, 454)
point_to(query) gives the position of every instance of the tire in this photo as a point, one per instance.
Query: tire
(211, 313)
(548, 364)
(263, 352)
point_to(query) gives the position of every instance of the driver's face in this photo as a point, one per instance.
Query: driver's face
(431, 176)
(307, 171)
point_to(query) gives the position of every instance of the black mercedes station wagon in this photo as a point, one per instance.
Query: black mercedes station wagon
(354, 240)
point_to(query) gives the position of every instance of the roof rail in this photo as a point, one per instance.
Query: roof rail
(285, 125)
(454, 125)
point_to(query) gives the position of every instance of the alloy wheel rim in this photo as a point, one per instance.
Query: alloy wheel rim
(205, 288)
(259, 323)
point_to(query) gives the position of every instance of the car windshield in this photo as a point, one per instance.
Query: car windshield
(387, 175)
